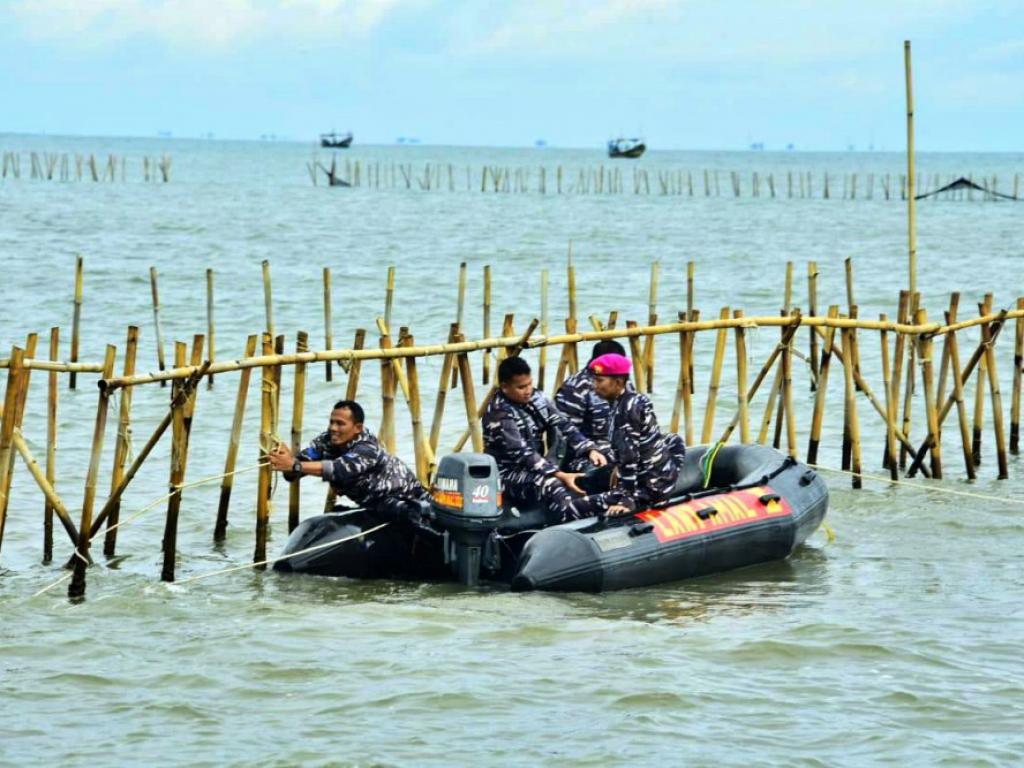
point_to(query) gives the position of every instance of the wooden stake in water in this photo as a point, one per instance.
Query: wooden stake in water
(741, 378)
(179, 452)
(850, 409)
(123, 440)
(1018, 368)
(156, 322)
(447, 365)
(267, 298)
(487, 322)
(389, 296)
(328, 323)
(812, 311)
(889, 457)
(652, 319)
(211, 343)
(51, 445)
(911, 203)
(927, 376)
(958, 396)
(263, 481)
(716, 374)
(542, 363)
(77, 318)
(15, 373)
(997, 401)
(352, 388)
(77, 586)
(639, 377)
(420, 447)
(817, 420)
(298, 409)
(220, 529)
(979, 393)
(469, 399)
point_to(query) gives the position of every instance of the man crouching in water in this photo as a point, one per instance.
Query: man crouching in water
(647, 463)
(514, 424)
(350, 458)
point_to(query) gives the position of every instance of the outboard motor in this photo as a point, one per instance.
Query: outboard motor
(467, 502)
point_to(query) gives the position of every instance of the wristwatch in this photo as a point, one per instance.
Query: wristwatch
(297, 467)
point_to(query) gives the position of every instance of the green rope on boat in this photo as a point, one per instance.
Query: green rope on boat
(707, 461)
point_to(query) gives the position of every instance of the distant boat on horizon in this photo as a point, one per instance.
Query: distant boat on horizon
(334, 140)
(622, 147)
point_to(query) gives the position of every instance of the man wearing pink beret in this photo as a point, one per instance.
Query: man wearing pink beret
(647, 462)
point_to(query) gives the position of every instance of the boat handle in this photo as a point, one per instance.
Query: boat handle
(707, 512)
(768, 498)
(639, 529)
(808, 477)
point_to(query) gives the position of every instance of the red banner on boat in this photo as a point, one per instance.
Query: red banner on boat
(713, 513)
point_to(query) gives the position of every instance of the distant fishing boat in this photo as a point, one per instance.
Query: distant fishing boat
(626, 147)
(334, 140)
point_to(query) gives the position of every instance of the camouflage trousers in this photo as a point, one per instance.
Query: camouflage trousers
(535, 488)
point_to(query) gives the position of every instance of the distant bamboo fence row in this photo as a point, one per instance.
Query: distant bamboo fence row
(60, 166)
(617, 180)
(919, 387)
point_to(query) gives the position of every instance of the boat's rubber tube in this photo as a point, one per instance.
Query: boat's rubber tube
(762, 505)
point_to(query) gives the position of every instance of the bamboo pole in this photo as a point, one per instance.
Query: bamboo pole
(741, 379)
(716, 375)
(690, 268)
(298, 409)
(123, 440)
(682, 383)
(19, 406)
(156, 322)
(220, 529)
(639, 379)
(812, 309)
(927, 374)
(853, 310)
(979, 398)
(889, 458)
(421, 448)
(396, 369)
(77, 587)
(387, 390)
(997, 403)
(328, 322)
(469, 399)
(53, 501)
(1018, 367)
(267, 298)
(898, 356)
(850, 407)
(487, 323)
(389, 296)
(179, 450)
(911, 203)
(908, 392)
(211, 341)
(442, 392)
(817, 419)
(15, 374)
(571, 275)
(263, 482)
(76, 320)
(352, 388)
(652, 319)
(542, 363)
(787, 396)
(51, 445)
(961, 407)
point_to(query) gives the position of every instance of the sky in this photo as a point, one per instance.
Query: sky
(685, 74)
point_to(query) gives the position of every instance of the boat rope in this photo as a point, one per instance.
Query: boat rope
(272, 560)
(918, 486)
(707, 461)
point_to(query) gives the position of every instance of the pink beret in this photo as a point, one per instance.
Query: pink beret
(610, 365)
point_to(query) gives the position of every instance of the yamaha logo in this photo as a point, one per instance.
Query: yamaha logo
(447, 484)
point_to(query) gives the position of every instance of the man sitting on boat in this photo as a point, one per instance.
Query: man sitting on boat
(352, 460)
(647, 462)
(515, 424)
(587, 411)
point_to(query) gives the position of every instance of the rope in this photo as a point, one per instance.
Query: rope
(706, 462)
(272, 560)
(919, 487)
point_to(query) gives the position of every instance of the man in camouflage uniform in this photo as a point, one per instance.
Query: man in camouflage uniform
(356, 465)
(515, 423)
(647, 463)
(587, 411)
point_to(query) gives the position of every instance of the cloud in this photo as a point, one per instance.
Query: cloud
(197, 23)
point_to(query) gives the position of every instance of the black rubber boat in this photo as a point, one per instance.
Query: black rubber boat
(759, 505)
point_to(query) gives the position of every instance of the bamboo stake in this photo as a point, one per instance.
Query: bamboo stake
(1018, 367)
(961, 407)
(123, 440)
(979, 397)
(267, 300)
(51, 446)
(787, 396)
(954, 303)
(461, 305)
(689, 289)
(263, 482)
(53, 501)
(77, 318)
(387, 390)
(469, 399)
(298, 408)
(925, 354)
(442, 392)
(328, 322)
(741, 379)
(898, 355)
(15, 374)
(571, 274)
(812, 307)
(211, 338)
(716, 374)
(652, 319)
(997, 403)
(156, 322)
(638, 368)
(850, 409)
(852, 305)
(682, 381)
(220, 529)
(889, 459)
(396, 368)
(19, 406)
(911, 203)
(352, 388)
(817, 418)
(542, 363)
(77, 587)
(908, 393)
(421, 448)
(487, 322)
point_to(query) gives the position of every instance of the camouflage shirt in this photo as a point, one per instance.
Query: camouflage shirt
(363, 470)
(514, 434)
(647, 460)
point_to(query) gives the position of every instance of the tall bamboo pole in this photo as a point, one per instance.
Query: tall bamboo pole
(652, 319)
(420, 446)
(1018, 368)
(889, 457)
(571, 275)
(19, 406)
(76, 320)
(352, 388)
(487, 322)
(741, 379)
(979, 394)
(263, 482)
(52, 499)
(51, 445)
(927, 376)
(211, 342)
(818, 416)
(812, 311)
(997, 403)
(268, 302)
(961, 406)
(220, 529)
(15, 373)
(911, 203)
(469, 399)
(542, 363)
(850, 409)
(123, 440)
(179, 451)
(389, 296)
(639, 378)
(328, 323)
(298, 409)
(156, 322)
(387, 391)
(787, 396)
(716, 374)
(77, 587)
(447, 365)
(908, 392)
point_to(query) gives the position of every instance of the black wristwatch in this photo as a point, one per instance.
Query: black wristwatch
(297, 467)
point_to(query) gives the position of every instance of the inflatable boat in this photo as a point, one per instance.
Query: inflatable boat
(733, 506)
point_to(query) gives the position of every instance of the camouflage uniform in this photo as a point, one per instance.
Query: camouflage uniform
(648, 462)
(587, 411)
(514, 436)
(367, 474)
